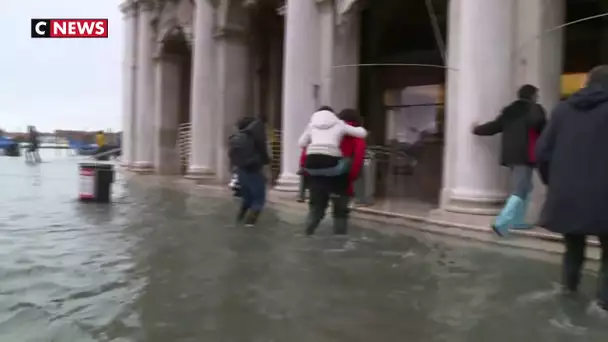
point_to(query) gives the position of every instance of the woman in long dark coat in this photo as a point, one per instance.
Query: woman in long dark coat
(573, 162)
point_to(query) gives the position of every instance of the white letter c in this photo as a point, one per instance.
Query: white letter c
(37, 28)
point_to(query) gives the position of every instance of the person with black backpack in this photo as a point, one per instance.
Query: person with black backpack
(248, 153)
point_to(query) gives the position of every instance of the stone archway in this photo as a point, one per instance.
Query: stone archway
(172, 96)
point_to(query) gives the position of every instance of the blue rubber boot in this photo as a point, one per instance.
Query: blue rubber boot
(519, 222)
(506, 218)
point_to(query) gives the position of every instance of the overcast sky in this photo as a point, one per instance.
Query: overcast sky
(59, 83)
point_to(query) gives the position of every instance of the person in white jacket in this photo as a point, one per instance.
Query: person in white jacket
(322, 139)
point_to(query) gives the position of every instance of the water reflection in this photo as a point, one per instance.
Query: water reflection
(159, 265)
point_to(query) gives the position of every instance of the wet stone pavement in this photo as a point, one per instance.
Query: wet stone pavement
(160, 265)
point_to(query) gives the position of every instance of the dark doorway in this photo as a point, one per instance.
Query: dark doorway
(178, 47)
(404, 32)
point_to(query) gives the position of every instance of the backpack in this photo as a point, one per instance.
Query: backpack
(242, 151)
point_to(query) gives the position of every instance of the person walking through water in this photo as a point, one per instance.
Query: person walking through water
(573, 164)
(322, 140)
(520, 124)
(326, 185)
(248, 154)
(32, 155)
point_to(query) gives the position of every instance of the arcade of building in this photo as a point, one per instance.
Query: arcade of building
(193, 67)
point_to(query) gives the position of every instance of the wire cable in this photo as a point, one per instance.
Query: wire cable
(436, 29)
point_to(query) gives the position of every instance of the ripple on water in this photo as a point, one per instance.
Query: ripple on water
(161, 266)
(66, 270)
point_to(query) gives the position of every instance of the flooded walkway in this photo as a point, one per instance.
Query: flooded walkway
(160, 265)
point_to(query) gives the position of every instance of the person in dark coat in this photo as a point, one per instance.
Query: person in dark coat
(577, 177)
(520, 123)
(248, 152)
(32, 155)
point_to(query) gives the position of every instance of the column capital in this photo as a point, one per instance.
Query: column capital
(345, 6)
(282, 8)
(128, 8)
(325, 6)
(213, 3)
(146, 5)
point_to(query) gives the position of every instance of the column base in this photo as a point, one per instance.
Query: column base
(199, 173)
(468, 202)
(288, 182)
(142, 167)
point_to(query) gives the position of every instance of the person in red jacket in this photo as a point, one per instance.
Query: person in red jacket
(338, 189)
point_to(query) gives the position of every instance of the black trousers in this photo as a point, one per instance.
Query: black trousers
(574, 258)
(322, 191)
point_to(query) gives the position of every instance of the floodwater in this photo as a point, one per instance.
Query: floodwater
(160, 265)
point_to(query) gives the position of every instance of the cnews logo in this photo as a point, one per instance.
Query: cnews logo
(69, 28)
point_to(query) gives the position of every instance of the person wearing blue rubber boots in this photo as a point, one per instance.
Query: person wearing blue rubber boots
(520, 123)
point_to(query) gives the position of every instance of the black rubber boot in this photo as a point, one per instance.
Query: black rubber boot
(302, 190)
(602, 283)
(251, 218)
(241, 214)
(573, 260)
(340, 226)
(312, 222)
(341, 211)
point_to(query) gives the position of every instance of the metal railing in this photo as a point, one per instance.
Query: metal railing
(275, 148)
(111, 152)
(184, 141)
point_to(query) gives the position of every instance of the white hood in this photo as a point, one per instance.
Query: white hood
(324, 120)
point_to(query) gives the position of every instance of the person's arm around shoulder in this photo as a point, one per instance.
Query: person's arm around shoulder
(489, 128)
(304, 140)
(357, 132)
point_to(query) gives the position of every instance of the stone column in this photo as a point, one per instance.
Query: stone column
(327, 41)
(484, 87)
(129, 114)
(300, 78)
(203, 94)
(451, 102)
(234, 85)
(145, 90)
(538, 55)
(166, 121)
(346, 52)
(538, 60)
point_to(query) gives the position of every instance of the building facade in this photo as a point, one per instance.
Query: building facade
(202, 64)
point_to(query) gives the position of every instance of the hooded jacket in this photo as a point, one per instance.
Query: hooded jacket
(350, 147)
(520, 124)
(256, 129)
(573, 163)
(325, 132)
